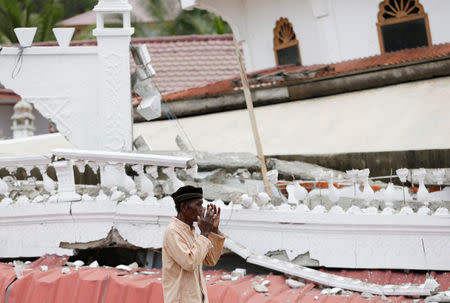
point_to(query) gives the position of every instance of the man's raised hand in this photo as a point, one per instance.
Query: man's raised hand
(216, 217)
(205, 221)
(209, 220)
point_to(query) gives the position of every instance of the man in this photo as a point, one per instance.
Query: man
(184, 252)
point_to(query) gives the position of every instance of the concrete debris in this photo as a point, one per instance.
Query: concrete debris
(215, 176)
(431, 283)
(439, 297)
(367, 289)
(296, 169)
(210, 161)
(181, 144)
(226, 277)
(294, 283)
(259, 287)
(367, 295)
(331, 291)
(238, 273)
(133, 265)
(65, 270)
(141, 145)
(77, 263)
(149, 273)
(265, 282)
(123, 267)
(242, 173)
(44, 268)
(346, 293)
(94, 264)
(212, 191)
(113, 239)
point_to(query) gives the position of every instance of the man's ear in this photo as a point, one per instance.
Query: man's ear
(183, 206)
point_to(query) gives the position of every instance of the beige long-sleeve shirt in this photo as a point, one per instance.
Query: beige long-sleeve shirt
(183, 254)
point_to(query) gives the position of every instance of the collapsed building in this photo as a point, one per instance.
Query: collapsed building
(95, 194)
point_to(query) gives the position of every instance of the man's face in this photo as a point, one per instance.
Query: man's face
(193, 208)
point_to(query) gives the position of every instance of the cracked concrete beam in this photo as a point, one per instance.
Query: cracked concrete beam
(113, 239)
(429, 287)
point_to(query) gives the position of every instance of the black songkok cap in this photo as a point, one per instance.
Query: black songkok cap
(187, 193)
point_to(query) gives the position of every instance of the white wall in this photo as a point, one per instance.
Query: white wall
(408, 116)
(261, 21)
(327, 30)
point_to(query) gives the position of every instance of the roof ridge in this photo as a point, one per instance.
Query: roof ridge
(391, 54)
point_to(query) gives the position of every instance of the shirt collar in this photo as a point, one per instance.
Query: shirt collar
(181, 224)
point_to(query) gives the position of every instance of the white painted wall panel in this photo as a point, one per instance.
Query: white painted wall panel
(348, 30)
(411, 116)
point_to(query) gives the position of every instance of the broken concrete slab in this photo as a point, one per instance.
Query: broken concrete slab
(113, 239)
(429, 287)
(209, 161)
(212, 191)
(296, 169)
(294, 283)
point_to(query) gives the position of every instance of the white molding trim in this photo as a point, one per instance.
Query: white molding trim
(51, 50)
(395, 241)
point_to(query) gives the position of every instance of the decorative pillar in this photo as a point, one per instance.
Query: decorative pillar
(23, 120)
(114, 106)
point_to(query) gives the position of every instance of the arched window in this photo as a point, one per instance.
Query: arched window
(285, 44)
(402, 24)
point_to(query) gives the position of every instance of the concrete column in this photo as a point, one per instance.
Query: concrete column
(114, 100)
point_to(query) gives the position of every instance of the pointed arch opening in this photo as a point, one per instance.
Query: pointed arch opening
(285, 43)
(402, 24)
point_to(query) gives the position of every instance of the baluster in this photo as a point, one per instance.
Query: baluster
(66, 182)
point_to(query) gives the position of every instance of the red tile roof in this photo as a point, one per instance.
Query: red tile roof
(8, 97)
(392, 59)
(144, 285)
(189, 61)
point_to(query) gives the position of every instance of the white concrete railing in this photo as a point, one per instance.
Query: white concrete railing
(114, 184)
(112, 175)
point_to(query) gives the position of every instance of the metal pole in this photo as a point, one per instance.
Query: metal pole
(251, 113)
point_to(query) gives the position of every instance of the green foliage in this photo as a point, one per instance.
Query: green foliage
(193, 22)
(14, 14)
(52, 12)
(75, 7)
(199, 22)
(28, 13)
(44, 14)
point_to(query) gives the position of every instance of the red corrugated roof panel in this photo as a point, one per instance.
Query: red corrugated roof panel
(7, 276)
(110, 285)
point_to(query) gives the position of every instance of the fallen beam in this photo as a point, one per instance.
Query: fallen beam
(426, 289)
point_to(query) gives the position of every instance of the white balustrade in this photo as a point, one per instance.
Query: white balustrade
(113, 179)
(133, 178)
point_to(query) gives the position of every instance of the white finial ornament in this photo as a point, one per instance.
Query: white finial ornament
(422, 192)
